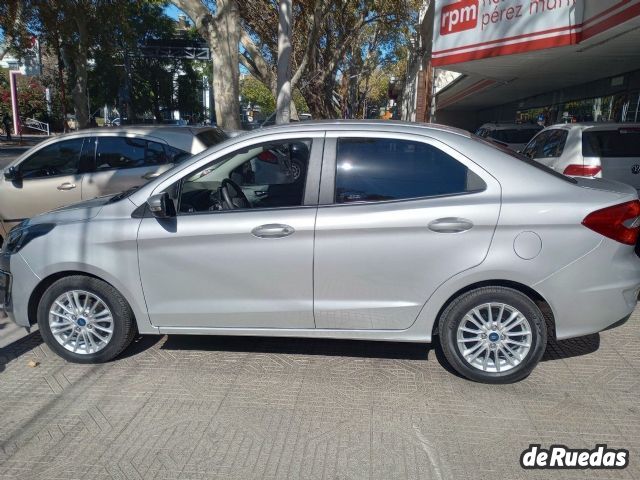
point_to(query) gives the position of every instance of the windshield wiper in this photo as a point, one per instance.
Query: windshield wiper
(122, 195)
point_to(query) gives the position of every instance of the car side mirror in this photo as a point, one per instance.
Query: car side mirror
(161, 205)
(12, 173)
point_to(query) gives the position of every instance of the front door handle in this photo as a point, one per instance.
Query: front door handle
(450, 225)
(67, 186)
(273, 230)
(150, 175)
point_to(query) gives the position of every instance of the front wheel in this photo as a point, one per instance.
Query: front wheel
(493, 335)
(85, 320)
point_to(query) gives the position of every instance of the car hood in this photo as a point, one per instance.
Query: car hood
(75, 212)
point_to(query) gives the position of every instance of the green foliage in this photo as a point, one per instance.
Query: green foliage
(255, 93)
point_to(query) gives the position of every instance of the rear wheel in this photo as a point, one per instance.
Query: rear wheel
(85, 320)
(493, 335)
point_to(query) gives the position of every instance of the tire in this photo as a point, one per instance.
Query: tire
(96, 296)
(502, 338)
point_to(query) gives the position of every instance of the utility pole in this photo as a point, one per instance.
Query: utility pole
(283, 101)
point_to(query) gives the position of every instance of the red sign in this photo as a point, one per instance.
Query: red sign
(459, 16)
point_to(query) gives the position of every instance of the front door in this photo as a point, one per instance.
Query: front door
(48, 179)
(402, 216)
(229, 258)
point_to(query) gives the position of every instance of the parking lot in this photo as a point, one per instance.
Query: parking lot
(222, 407)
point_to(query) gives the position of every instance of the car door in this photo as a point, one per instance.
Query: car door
(122, 162)
(233, 268)
(398, 216)
(48, 178)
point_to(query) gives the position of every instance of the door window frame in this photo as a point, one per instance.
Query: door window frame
(329, 163)
(312, 182)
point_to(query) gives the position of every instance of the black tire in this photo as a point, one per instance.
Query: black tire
(124, 326)
(454, 313)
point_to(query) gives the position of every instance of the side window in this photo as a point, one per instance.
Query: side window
(120, 152)
(270, 175)
(60, 158)
(534, 147)
(175, 155)
(369, 170)
(155, 154)
(554, 145)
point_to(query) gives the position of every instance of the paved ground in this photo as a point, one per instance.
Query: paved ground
(219, 408)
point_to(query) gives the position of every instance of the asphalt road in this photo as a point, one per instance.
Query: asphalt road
(243, 408)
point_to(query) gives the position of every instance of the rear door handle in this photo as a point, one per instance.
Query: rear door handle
(450, 225)
(150, 175)
(67, 186)
(259, 193)
(273, 230)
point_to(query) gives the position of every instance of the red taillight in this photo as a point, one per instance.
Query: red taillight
(268, 157)
(576, 170)
(617, 222)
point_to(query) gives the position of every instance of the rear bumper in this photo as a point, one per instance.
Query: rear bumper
(595, 292)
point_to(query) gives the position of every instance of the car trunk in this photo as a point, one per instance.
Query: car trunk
(618, 151)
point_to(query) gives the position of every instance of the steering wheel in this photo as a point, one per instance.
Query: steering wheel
(236, 200)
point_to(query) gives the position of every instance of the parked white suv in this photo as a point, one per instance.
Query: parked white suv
(512, 135)
(608, 150)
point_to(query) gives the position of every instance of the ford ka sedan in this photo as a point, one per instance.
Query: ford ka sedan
(396, 232)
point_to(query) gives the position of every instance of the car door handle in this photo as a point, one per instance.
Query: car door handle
(272, 230)
(259, 193)
(150, 175)
(67, 186)
(450, 225)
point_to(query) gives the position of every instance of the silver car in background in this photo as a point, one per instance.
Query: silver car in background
(89, 163)
(396, 232)
(599, 150)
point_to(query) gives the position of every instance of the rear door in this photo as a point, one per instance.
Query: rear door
(399, 215)
(618, 151)
(121, 163)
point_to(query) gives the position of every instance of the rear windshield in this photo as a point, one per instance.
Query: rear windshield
(212, 136)
(525, 159)
(623, 142)
(521, 135)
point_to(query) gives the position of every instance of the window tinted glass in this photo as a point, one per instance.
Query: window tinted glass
(388, 169)
(120, 152)
(554, 145)
(61, 158)
(212, 136)
(155, 154)
(624, 142)
(175, 155)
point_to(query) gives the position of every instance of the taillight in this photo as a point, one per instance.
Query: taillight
(576, 170)
(619, 222)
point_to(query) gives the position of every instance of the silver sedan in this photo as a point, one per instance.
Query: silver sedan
(353, 230)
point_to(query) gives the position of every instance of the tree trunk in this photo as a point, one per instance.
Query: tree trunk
(283, 96)
(224, 38)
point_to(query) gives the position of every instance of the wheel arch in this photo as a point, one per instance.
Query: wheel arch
(534, 295)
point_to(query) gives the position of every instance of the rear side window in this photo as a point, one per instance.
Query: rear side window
(121, 152)
(548, 144)
(211, 137)
(370, 170)
(624, 142)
